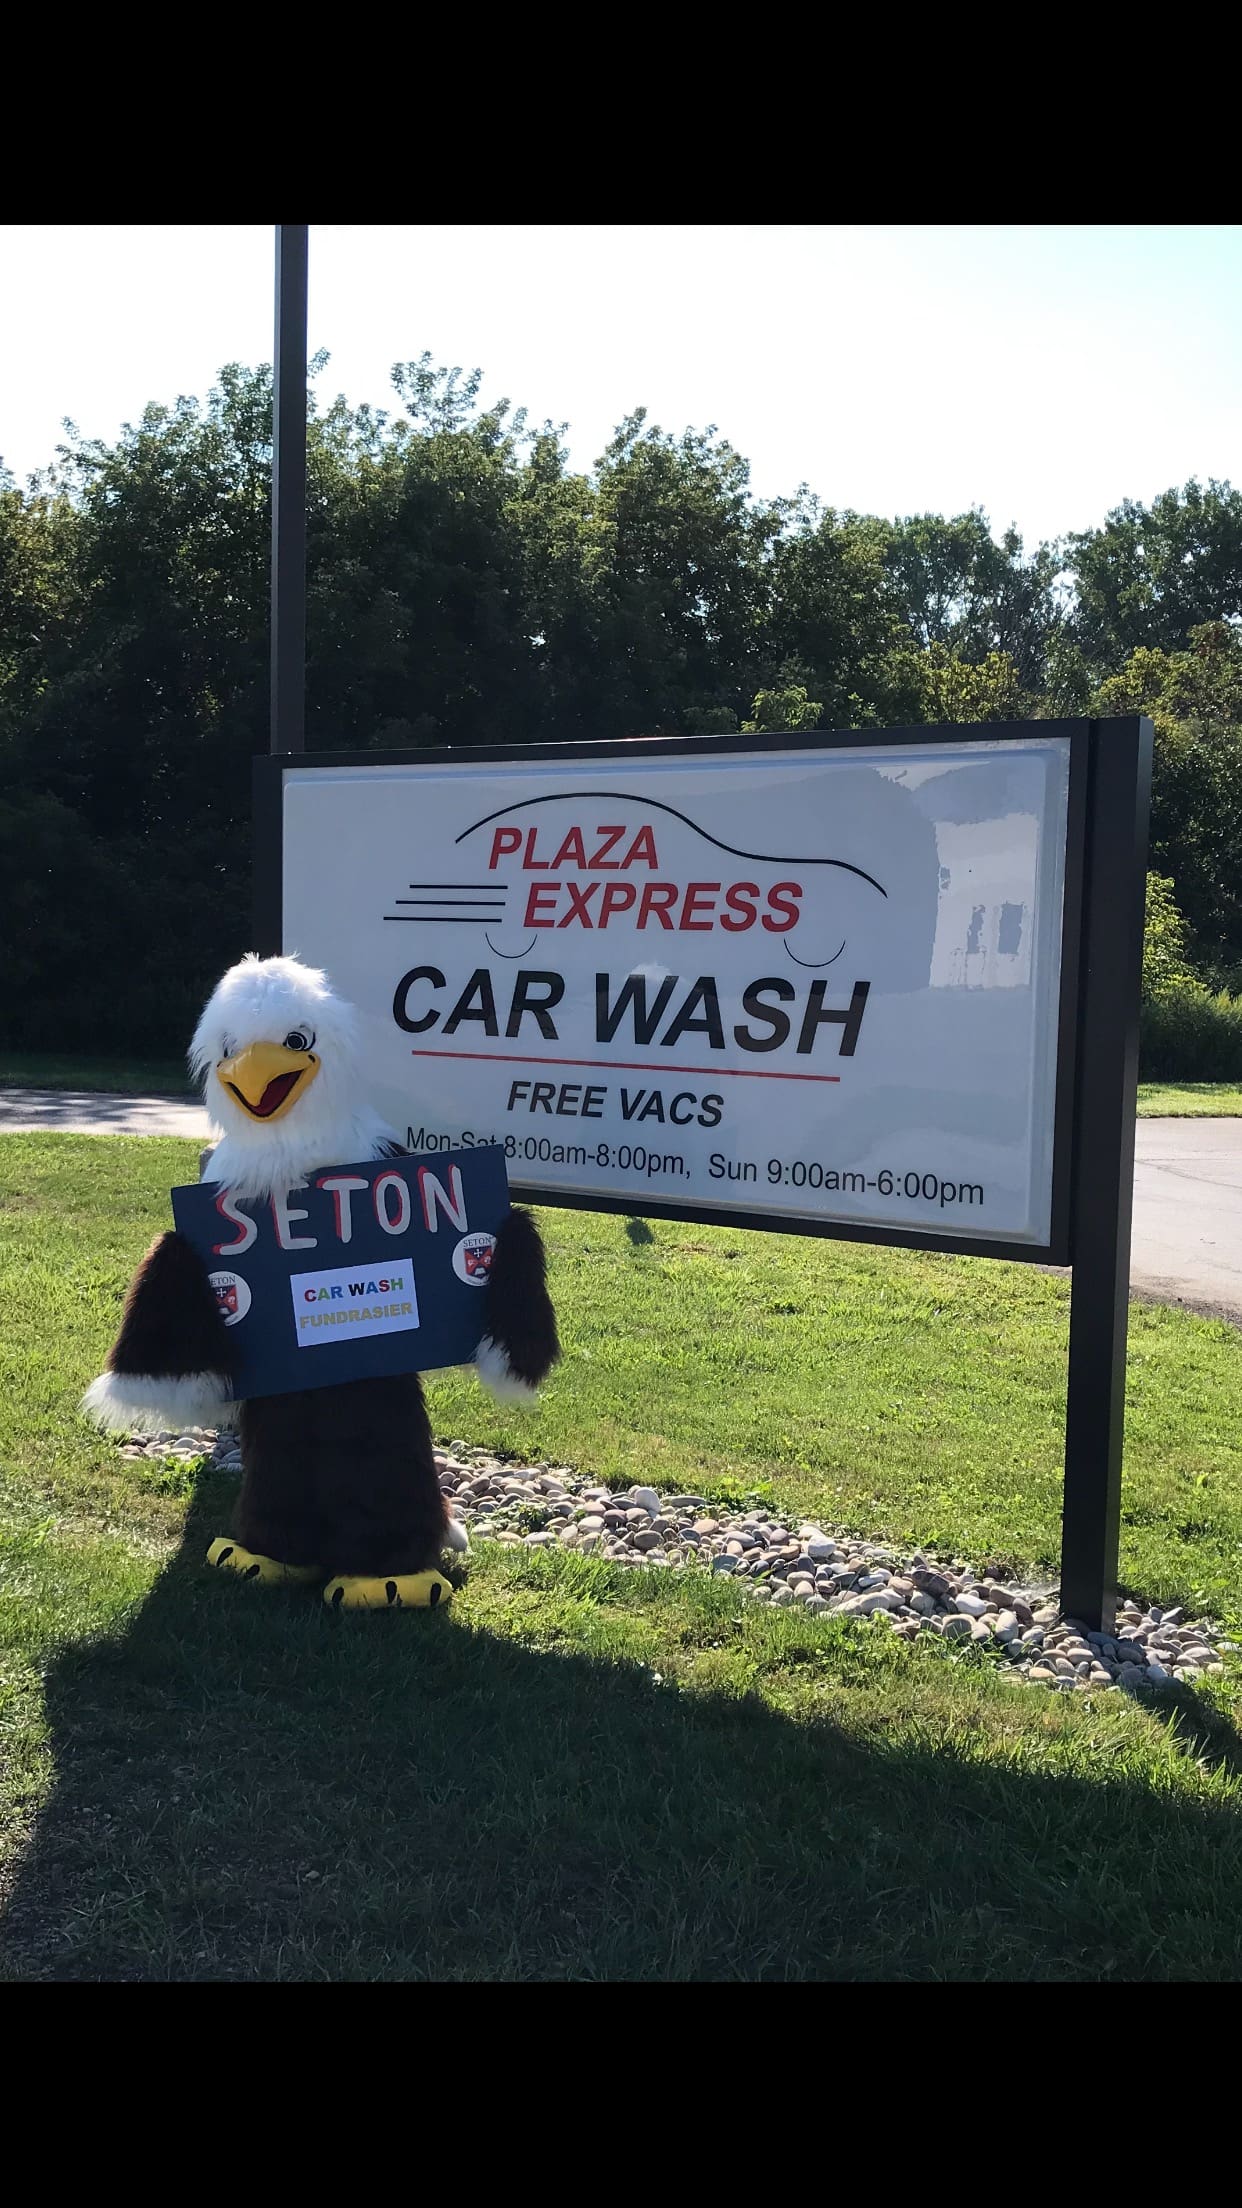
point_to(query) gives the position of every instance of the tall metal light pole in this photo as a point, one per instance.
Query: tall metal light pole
(289, 493)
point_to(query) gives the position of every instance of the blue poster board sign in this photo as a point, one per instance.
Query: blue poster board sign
(366, 1270)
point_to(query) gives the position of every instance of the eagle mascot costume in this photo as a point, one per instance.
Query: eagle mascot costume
(339, 1483)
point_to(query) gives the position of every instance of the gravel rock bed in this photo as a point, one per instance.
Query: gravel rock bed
(795, 1564)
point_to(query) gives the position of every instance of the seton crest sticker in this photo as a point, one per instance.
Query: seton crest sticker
(472, 1259)
(232, 1295)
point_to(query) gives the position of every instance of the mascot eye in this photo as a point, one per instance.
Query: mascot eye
(230, 1047)
(296, 1040)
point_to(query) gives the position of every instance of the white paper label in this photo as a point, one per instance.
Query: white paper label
(352, 1301)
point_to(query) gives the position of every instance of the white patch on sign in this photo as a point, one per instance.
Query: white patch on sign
(232, 1295)
(472, 1259)
(351, 1302)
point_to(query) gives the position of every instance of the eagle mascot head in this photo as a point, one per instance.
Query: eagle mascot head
(277, 1054)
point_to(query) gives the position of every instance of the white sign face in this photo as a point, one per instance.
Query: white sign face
(809, 985)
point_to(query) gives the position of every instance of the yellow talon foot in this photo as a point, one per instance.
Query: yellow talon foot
(403, 1591)
(229, 1556)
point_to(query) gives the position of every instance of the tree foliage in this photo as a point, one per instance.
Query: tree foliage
(466, 585)
(1166, 947)
(784, 711)
(974, 596)
(1194, 698)
(1153, 573)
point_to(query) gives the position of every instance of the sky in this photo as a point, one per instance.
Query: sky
(1043, 373)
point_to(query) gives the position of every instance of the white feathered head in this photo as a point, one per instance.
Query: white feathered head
(278, 1054)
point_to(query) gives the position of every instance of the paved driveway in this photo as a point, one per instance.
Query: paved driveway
(1187, 1245)
(79, 1112)
(1187, 1185)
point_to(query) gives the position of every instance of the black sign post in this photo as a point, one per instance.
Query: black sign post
(289, 493)
(1110, 977)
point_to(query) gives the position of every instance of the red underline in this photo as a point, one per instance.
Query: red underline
(623, 1065)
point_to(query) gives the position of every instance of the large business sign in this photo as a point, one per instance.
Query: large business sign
(823, 986)
(366, 1270)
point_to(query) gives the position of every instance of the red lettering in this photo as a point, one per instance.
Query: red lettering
(504, 841)
(528, 859)
(657, 898)
(343, 1187)
(389, 1184)
(228, 1210)
(283, 1216)
(571, 853)
(601, 863)
(579, 900)
(779, 899)
(696, 893)
(536, 903)
(453, 1205)
(643, 847)
(617, 897)
(735, 899)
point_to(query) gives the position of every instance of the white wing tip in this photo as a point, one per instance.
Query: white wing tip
(498, 1376)
(144, 1403)
(456, 1537)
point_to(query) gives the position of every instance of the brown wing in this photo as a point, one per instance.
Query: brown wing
(171, 1363)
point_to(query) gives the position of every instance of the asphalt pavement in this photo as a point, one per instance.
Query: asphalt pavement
(1187, 1243)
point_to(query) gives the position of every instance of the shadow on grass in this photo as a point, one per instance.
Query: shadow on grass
(639, 1233)
(1202, 1730)
(250, 1788)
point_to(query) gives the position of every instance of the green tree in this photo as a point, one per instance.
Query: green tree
(960, 588)
(1194, 698)
(832, 622)
(675, 569)
(954, 689)
(789, 709)
(1154, 573)
(1166, 949)
(38, 533)
(420, 627)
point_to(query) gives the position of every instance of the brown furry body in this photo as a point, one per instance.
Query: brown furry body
(343, 1477)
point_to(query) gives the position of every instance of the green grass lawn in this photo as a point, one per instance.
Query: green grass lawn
(167, 1077)
(1189, 1100)
(579, 1772)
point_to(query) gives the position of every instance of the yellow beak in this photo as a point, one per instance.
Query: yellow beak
(266, 1079)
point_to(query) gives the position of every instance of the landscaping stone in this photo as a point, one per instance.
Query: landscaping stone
(957, 1627)
(822, 1571)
